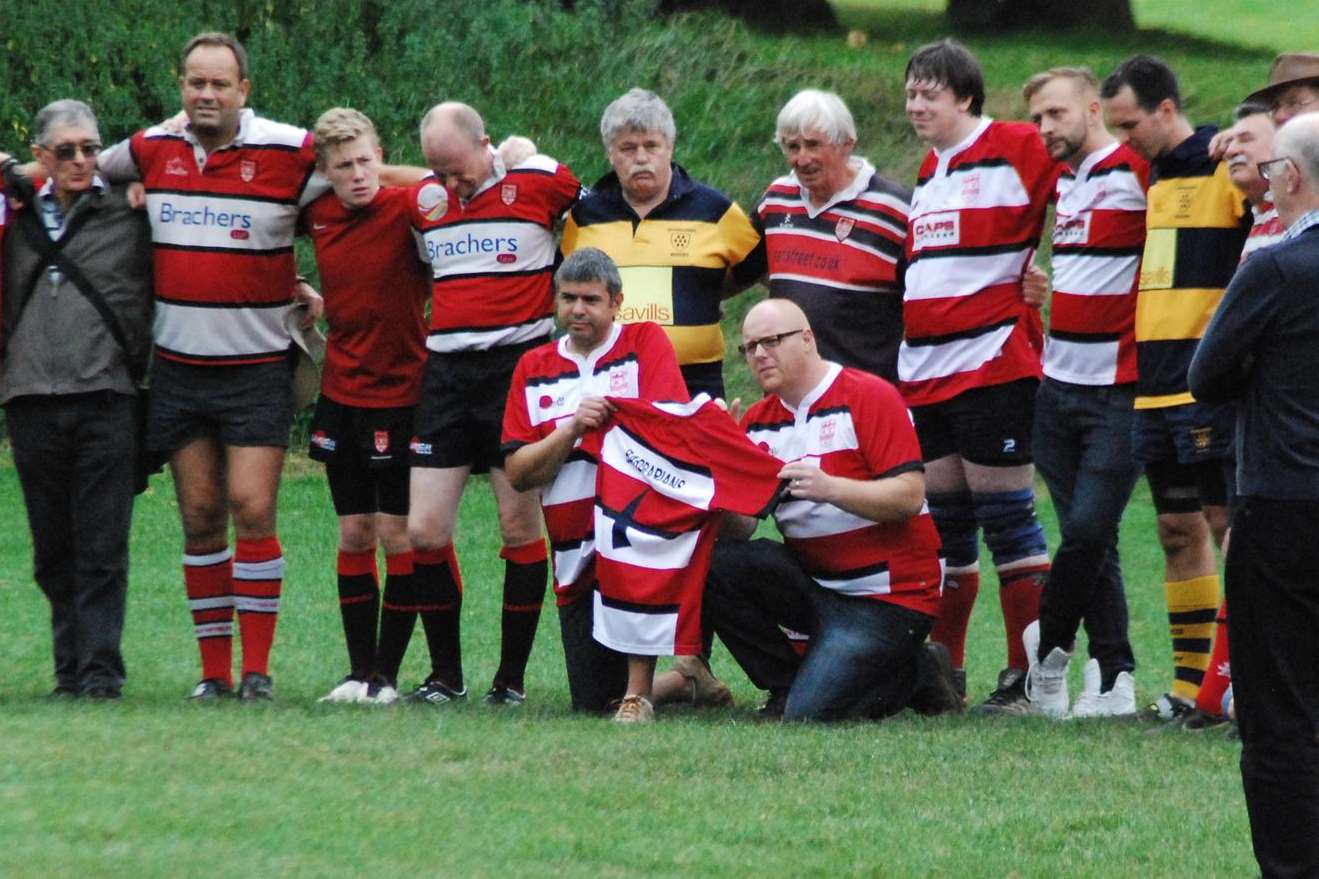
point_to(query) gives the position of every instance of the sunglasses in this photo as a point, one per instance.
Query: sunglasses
(67, 152)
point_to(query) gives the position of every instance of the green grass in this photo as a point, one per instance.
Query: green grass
(156, 787)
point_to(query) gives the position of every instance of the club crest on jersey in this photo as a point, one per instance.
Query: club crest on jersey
(828, 428)
(508, 193)
(970, 187)
(247, 170)
(680, 240)
(432, 201)
(382, 441)
(176, 167)
(618, 382)
(844, 228)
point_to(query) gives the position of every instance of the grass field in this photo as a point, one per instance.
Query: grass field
(154, 787)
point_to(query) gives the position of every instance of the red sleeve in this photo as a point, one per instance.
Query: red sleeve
(661, 379)
(885, 431)
(566, 189)
(517, 430)
(1037, 169)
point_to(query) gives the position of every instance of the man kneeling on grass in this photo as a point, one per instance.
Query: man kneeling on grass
(859, 570)
(555, 399)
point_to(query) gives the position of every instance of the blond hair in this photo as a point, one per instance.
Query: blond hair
(340, 125)
(1082, 77)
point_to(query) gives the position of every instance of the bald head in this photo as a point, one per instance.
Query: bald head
(456, 147)
(780, 349)
(1295, 184)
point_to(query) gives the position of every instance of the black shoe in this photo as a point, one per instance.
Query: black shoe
(1168, 710)
(102, 693)
(959, 684)
(211, 690)
(435, 692)
(936, 691)
(256, 687)
(773, 708)
(1009, 697)
(500, 696)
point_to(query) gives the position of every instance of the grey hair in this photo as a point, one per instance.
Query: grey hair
(457, 115)
(60, 114)
(1246, 109)
(1299, 140)
(590, 265)
(638, 110)
(815, 110)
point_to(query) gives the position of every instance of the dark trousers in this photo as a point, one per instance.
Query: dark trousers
(74, 456)
(1273, 626)
(864, 654)
(597, 676)
(1083, 450)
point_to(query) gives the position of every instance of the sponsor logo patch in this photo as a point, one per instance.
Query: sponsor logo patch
(545, 401)
(1071, 230)
(321, 440)
(417, 447)
(508, 193)
(247, 170)
(432, 201)
(943, 229)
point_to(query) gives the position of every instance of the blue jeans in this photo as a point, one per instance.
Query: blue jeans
(863, 659)
(1083, 451)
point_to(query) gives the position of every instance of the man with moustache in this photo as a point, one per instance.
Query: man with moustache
(1083, 411)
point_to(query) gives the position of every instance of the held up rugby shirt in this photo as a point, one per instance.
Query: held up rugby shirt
(855, 425)
(1098, 235)
(976, 218)
(375, 291)
(636, 361)
(492, 258)
(842, 263)
(222, 231)
(665, 472)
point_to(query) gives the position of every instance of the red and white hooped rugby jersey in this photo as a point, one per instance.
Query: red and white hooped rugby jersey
(856, 425)
(492, 258)
(375, 291)
(665, 472)
(636, 361)
(976, 217)
(842, 263)
(1098, 239)
(222, 229)
(1267, 228)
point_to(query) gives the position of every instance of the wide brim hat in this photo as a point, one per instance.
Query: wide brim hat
(309, 352)
(1289, 69)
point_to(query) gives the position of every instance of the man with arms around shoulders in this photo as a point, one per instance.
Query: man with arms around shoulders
(223, 197)
(969, 360)
(1261, 353)
(556, 397)
(1083, 410)
(835, 230)
(67, 384)
(679, 244)
(1195, 224)
(858, 571)
(375, 287)
(488, 232)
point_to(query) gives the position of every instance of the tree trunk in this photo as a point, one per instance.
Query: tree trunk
(779, 16)
(1111, 15)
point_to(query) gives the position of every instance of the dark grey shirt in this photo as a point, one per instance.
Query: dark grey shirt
(1261, 350)
(59, 344)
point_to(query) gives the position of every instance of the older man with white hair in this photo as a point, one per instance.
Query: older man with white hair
(488, 232)
(681, 246)
(835, 230)
(1261, 352)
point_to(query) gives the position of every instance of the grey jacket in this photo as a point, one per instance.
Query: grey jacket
(61, 344)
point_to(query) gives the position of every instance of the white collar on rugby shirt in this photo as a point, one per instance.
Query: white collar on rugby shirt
(864, 171)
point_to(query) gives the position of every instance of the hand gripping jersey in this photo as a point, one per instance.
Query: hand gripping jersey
(375, 290)
(492, 259)
(856, 425)
(1098, 235)
(976, 218)
(666, 471)
(842, 263)
(222, 230)
(636, 361)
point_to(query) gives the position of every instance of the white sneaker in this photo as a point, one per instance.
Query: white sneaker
(1120, 701)
(1046, 682)
(384, 695)
(347, 690)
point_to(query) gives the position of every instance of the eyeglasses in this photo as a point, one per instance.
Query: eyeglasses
(1266, 168)
(67, 152)
(769, 343)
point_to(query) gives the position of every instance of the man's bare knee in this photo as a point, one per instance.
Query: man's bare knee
(357, 534)
(1182, 532)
